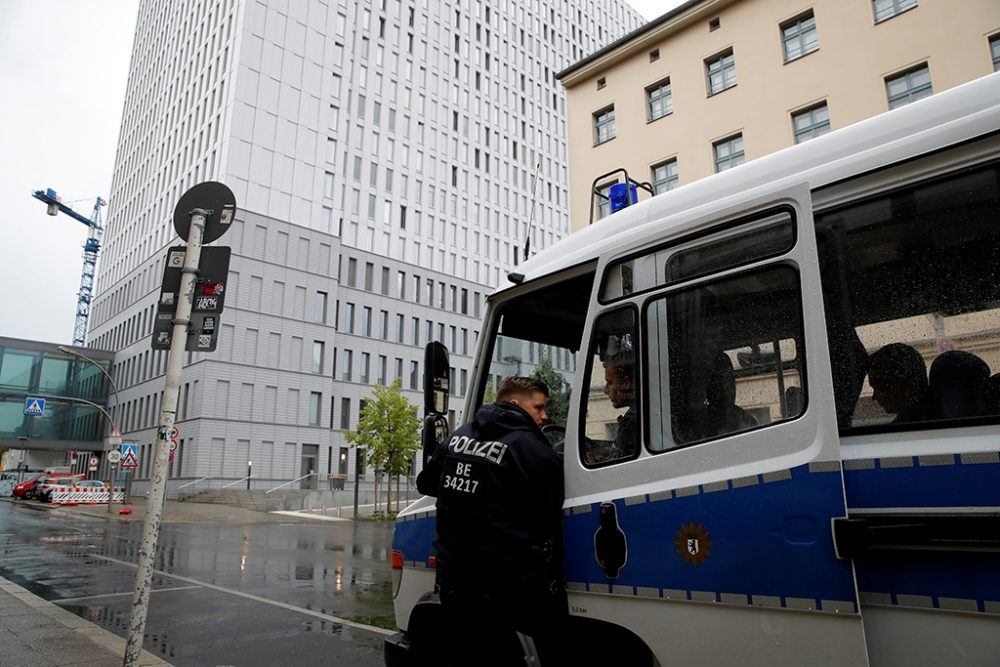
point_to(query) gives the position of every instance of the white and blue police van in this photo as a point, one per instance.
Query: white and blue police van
(813, 475)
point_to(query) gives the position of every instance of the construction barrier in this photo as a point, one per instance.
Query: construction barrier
(68, 495)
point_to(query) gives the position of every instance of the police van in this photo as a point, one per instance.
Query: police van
(812, 471)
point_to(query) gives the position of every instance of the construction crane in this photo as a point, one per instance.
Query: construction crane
(90, 249)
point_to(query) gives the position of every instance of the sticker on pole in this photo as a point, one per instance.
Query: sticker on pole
(216, 200)
(169, 433)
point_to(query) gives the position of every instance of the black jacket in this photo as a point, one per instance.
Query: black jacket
(499, 486)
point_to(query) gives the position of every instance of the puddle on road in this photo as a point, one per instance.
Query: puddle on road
(374, 606)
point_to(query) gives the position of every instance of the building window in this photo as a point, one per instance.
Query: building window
(601, 83)
(659, 102)
(714, 24)
(352, 272)
(315, 398)
(799, 37)
(604, 125)
(317, 360)
(886, 9)
(654, 55)
(366, 362)
(345, 413)
(728, 153)
(319, 310)
(721, 72)
(366, 322)
(811, 123)
(604, 201)
(414, 374)
(665, 176)
(995, 52)
(349, 315)
(909, 86)
(346, 366)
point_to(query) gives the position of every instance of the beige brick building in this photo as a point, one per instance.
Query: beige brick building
(714, 83)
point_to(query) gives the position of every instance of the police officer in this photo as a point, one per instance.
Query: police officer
(499, 491)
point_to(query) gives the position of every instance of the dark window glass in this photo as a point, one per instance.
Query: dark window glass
(911, 287)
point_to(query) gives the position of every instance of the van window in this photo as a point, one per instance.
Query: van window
(610, 416)
(764, 235)
(538, 334)
(730, 352)
(911, 288)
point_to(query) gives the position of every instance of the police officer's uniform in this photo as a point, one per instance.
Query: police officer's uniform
(499, 486)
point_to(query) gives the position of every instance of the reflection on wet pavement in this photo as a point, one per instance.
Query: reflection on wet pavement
(339, 569)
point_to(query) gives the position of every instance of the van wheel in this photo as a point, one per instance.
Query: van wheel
(601, 644)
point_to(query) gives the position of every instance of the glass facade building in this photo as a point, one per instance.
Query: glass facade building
(75, 393)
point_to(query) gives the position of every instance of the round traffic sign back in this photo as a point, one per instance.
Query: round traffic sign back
(210, 195)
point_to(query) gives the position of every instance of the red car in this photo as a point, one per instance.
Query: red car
(29, 488)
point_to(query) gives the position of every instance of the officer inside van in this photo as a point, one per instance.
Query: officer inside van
(618, 359)
(499, 490)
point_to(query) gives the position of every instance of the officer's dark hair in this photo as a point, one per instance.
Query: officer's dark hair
(514, 386)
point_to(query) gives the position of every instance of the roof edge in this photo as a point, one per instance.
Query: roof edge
(675, 19)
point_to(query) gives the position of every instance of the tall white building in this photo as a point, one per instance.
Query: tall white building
(388, 160)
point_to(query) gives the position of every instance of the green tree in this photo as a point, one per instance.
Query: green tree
(558, 404)
(388, 431)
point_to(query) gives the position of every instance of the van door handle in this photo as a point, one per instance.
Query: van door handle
(610, 545)
(857, 535)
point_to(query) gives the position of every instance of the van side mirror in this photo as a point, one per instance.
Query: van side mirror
(436, 375)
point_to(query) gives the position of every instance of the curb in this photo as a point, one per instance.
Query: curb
(82, 630)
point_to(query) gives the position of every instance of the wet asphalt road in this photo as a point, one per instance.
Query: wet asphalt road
(236, 594)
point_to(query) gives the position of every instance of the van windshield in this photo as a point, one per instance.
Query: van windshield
(538, 335)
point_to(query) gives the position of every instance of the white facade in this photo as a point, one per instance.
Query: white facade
(405, 137)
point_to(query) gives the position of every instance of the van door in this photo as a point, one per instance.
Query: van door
(706, 470)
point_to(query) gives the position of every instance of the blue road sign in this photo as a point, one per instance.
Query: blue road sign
(130, 457)
(34, 406)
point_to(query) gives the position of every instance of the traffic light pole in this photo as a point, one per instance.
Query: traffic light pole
(168, 414)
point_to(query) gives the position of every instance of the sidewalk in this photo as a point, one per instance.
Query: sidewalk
(37, 632)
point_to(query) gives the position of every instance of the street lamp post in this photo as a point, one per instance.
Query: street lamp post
(118, 403)
(111, 382)
(22, 441)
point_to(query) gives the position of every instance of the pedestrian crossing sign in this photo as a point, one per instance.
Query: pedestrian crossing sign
(130, 459)
(34, 406)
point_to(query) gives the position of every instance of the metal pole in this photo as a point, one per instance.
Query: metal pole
(357, 473)
(71, 351)
(111, 487)
(168, 413)
(249, 473)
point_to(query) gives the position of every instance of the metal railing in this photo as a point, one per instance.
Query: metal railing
(226, 486)
(194, 482)
(281, 486)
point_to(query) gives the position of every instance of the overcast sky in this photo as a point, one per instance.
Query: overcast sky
(64, 64)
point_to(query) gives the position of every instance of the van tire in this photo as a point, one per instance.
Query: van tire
(601, 644)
